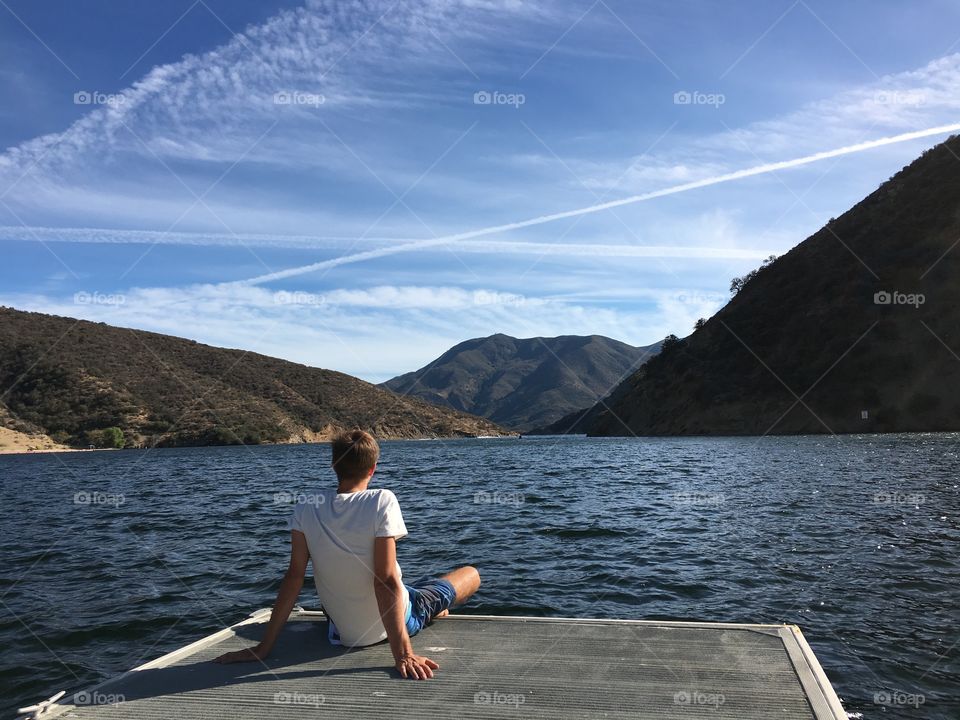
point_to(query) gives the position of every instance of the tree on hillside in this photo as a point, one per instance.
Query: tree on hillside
(111, 437)
(738, 283)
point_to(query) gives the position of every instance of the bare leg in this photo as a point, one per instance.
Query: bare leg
(465, 581)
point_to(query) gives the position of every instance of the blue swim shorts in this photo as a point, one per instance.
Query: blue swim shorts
(428, 596)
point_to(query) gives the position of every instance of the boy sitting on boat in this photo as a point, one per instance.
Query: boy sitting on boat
(351, 536)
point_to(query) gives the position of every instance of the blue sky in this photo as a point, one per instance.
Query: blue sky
(327, 181)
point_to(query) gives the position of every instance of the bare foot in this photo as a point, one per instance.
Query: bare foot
(442, 613)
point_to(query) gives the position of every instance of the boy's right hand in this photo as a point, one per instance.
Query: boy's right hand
(416, 667)
(250, 654)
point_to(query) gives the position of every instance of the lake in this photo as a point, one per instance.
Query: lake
(110, 559)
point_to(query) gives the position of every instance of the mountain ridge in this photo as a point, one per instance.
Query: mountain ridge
(856, 329)
(74, 379)
(522, 382)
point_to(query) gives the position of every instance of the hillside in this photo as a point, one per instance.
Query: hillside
(525, 383)
(818, 338)
(71, 380)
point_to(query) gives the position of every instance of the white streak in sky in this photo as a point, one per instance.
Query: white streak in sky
(673, 190)
(316, 242)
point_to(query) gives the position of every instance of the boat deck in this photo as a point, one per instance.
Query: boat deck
(491, 667)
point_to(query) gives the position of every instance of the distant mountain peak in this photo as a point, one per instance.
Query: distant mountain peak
(523, 383)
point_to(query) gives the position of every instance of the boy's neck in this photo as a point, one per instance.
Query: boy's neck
(351, 486)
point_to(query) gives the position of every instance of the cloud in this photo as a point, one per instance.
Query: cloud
(374, 333)
(896, 103)
(382, 64)
(387, 245)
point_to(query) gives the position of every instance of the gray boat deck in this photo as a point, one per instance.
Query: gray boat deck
(491, 667)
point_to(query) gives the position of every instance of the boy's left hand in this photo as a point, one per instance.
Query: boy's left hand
(245, 655)
(416, 667)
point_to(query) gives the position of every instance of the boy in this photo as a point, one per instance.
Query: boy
(351, 537)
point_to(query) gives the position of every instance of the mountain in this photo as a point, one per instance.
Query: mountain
(526, 383)
(73, 380)
(857, 329)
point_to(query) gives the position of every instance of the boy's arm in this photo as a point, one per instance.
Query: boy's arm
(391, 601)
(286, 599)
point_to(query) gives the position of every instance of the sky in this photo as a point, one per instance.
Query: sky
(361, 184)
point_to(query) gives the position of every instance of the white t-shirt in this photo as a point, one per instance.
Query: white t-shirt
(340, 529)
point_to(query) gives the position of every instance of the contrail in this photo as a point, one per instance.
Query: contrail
(112, 236)
(673, 190)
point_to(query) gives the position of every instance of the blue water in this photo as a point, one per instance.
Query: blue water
(113, 558)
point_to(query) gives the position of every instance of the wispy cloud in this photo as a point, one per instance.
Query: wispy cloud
(378, 244)
(348, 329)
(925, 97)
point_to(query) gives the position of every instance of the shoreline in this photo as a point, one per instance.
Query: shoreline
(26, 447)
(50, 450)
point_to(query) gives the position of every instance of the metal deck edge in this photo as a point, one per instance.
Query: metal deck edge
(758, 627)
(814, 681)
(817, 686)
(257, 617)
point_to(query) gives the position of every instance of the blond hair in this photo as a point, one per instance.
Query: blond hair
(355, 454)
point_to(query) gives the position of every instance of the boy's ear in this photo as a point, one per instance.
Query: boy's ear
(372, 472)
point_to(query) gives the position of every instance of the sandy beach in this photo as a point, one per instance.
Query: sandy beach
(12, 441)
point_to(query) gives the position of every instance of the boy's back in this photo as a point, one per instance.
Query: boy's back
(340, 529)
(350, 535)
